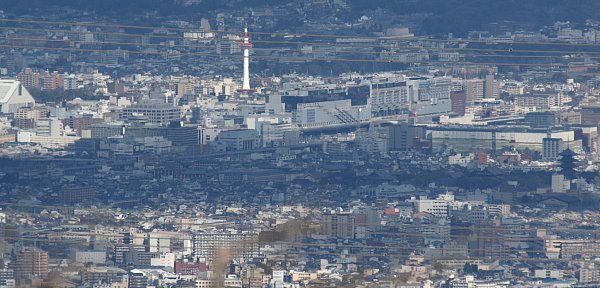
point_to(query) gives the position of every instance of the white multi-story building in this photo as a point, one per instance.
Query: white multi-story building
(430, 96)
(546, 273)
(95, 257)
(469, 281)
(7, 278)
(208, 135)
(48, 127)
(157, 145)
(560, 184)
(569, 34)
(70, 82)
(449, 56)
(238, 140)
(164, 260)
(423, 96)
(389, 96)
(167, 242)
(465, 139)
(223, 243)
(552, 147)
(439, 207)
(461, 160)
(155, 112)
(278, 278)
(373, 96)
(589, 274)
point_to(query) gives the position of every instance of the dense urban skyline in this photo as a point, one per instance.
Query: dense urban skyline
(318, 143)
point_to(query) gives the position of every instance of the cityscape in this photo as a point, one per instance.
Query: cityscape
(299, 143)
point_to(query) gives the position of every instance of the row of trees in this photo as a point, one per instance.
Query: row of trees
(59, 95)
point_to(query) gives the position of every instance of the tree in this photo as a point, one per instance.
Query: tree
(470, 268)
(59, 95)
(438, 267)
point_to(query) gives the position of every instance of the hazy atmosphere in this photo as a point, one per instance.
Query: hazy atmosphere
(289, 144)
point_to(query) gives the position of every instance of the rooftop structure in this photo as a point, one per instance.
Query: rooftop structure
(14, 96)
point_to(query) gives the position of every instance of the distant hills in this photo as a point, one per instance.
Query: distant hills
(461, 16)
(456, 16)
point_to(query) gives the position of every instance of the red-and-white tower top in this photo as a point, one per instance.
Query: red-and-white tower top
(246, 40)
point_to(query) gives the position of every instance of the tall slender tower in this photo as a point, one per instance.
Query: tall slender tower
(246, 46)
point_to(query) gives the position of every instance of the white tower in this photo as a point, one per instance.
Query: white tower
(246, 45)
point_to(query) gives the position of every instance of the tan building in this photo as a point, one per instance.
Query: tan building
(474, 89)
(111, 275)
(29, 78)
(589, 275)
(31, 263)
(52, 81)
(338, 225)
(303, 276)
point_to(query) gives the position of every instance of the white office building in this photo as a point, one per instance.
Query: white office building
(48, 127)
(439, 207)
(430, 96)
(423, 96)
